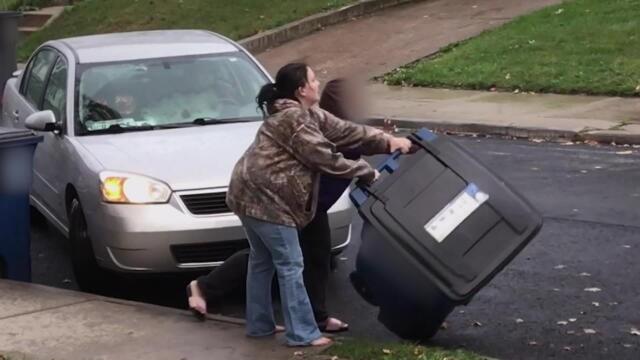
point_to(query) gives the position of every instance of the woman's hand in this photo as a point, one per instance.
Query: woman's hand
(398, 143)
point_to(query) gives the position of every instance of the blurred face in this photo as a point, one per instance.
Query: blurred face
(124, 104)
(309, 94)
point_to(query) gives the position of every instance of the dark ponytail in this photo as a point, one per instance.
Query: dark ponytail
(289, 79)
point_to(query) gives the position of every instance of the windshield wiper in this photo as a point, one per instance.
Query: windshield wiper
(118, 129)
(215, 121)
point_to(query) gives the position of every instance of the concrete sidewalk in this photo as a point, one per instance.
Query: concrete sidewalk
(570, 117)
(38, 322)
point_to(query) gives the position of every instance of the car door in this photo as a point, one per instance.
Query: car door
(32, 91)
(52, 156)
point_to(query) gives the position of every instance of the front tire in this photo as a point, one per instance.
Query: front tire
(89, 276)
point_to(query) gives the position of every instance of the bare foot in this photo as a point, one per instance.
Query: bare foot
(333, 325)
(196, 299)
(323, 341)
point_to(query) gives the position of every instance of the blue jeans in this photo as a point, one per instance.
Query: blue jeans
(275, 249)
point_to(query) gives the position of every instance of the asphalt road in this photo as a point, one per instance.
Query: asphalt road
(537, 308)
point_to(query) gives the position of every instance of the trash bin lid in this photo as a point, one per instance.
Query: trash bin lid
(10, 136)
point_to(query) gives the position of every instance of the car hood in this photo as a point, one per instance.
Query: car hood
(186, 159)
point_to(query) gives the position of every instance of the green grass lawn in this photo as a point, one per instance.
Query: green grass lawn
(581, 46)
(234, 18)
(362, 350)
(9, 4)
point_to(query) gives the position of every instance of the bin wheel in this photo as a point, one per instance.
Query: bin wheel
(89, 276)
(37, 219)
(333, 262)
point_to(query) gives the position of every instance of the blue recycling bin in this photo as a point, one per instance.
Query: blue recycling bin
(438, 226)
(16, 169)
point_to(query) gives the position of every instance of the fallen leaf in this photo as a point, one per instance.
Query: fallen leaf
(519, 321)
(559, 267)
(386, 351)
(477, 324)
(66, 281)
(584, 171)
(638, 88)
(570, 332)
(536, 140)
(461, 311)
(635, 332)
(595, 303)
(298, 353)
(533, 343)
(516, 91)
(563, 323)
(568, 348)
(559, 11)
(593, 289)
(627, 345)
(585, 274)
(613, 303)
(589, 331)
(573, 320)
(535, 168)
(597, 167)
(626, 246)
(508, 76)
(556, 289)
(568, 143)
(531, 42)
(444, 326)
(626, 152)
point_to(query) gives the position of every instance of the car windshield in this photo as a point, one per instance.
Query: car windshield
(167, 92)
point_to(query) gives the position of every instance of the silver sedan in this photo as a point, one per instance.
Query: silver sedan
(141, 132)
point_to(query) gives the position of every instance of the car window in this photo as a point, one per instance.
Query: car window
(55, 96)
(167, 91)
(37, 76)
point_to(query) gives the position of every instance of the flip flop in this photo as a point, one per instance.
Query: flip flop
(341, 326)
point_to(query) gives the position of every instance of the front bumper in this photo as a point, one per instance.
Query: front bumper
(166, 238)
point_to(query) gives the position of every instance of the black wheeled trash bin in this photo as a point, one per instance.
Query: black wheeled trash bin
(16, 163)
(438, 226)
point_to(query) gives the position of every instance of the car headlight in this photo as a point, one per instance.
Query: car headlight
(132, 189)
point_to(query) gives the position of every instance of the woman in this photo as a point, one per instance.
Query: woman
(339, 99)
(274, 192)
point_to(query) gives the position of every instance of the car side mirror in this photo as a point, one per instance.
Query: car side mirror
(17, 73)
(42, 121)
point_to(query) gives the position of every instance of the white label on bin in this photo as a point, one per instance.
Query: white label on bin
(449, 218)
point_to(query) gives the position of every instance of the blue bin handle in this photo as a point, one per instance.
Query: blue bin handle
(391, 163)
(360, 194)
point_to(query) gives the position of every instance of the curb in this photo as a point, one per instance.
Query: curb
(280, 35)
(520, 132)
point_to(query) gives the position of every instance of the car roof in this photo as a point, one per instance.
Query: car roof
(146, 45)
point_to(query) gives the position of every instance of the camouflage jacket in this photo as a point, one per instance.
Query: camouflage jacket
(277, 178)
